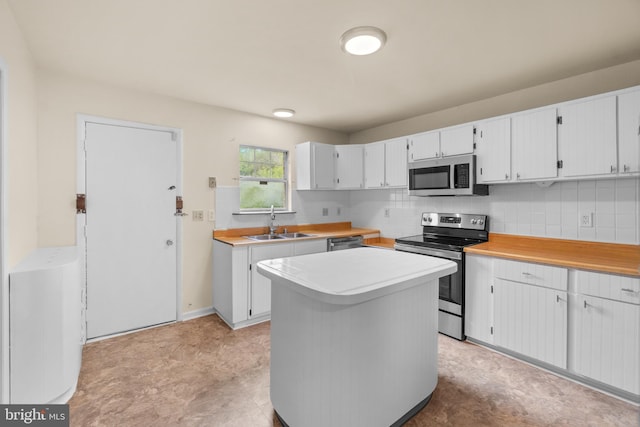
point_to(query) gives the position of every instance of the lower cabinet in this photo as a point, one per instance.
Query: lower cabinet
(607, 330)
(241, 295)
(586, 324)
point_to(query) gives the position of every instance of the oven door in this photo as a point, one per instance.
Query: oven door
(451, 290)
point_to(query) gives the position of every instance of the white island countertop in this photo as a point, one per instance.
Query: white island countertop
(354, 275)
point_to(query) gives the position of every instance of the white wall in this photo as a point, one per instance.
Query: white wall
(523, 208)
(211, 138)
(20, 131)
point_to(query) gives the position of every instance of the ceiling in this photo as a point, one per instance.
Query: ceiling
(257, 55)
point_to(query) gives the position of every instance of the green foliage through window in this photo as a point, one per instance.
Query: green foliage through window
(263, 178)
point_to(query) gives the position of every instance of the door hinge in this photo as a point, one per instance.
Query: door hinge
(559, 120)
(474, 130)
(491, 288)
(338, 180)
(249, 267)
(492, 330)
(337, 155)
(474, 145)
(174, 136)
(81, 203)
(250, 312)
(560, 164)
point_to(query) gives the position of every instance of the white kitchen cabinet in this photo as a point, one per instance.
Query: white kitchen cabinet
(231, 283)
(315, 166)
(530, 310)
(304, 247)
(607, 329)
(493, 150)
(260, 286)
(424, 145)
(587, 140)
(534, 145)
(386, 163)
(241, 296)
(478, 321)
(629, 132)
(374, 165)
(349, 167)
(456, 140)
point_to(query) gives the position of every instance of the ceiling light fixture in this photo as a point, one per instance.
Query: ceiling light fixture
(283, 112)
(363, 40)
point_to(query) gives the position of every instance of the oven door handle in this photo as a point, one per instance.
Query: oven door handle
(428, 251)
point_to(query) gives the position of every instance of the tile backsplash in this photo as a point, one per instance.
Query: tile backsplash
(612, 207)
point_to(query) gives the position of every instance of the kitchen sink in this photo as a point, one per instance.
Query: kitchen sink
(278, 236)
(294, 235)
(265, 237)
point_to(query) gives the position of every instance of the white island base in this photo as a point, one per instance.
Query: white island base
(353, 336)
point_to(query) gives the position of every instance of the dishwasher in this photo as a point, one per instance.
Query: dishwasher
(340, 243)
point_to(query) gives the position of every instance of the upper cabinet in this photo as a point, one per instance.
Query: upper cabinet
(456, 140)
(424, 145)
(629, 132)
(314, 166)
(385, 164)
(349, 167)
(587, 137)
(534, 144)
(493, 150)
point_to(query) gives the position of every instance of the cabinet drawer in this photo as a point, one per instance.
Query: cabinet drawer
(610, 286)
(532, 274)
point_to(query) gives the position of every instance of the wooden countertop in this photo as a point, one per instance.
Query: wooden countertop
(601, 257)
(235, 236)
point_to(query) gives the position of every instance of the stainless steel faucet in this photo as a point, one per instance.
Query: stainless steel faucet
(272, 226)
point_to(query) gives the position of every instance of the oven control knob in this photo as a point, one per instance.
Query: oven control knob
(480, 221)
(474, 221)
(429, 219)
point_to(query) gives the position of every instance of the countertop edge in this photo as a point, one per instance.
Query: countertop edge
(582, 255)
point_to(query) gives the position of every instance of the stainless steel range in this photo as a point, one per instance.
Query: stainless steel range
(445, 235)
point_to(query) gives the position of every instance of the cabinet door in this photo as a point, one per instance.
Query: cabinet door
(260, 286)
(478, 319)
(305, 247)
(534, 145)
(396, 162)
(424, 146)
(629, 132)
(493, 150)
(456, 140)
(322, 167)
(587, 138)
(374, 165)
(608, 342)
(349, 167)
(531, 320)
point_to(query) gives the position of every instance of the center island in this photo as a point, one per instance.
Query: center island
(354, 336)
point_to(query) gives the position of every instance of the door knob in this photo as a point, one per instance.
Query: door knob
(169, 242)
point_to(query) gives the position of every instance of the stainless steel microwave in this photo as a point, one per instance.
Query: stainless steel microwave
(447, 176)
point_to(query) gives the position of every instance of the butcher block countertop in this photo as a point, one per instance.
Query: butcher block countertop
(236, 236)
(594, 256)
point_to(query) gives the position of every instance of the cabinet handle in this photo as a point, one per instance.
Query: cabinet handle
(517, 176)
(585, 304)
(629, 290)
(524, 273)
(625, 168)
(506, 176)
(613, 169)
(558, 299)
(436, 154)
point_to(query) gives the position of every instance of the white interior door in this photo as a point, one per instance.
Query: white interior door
(131, 177)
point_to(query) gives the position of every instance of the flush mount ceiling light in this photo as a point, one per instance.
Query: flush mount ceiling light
(363, 40)
(283, 112)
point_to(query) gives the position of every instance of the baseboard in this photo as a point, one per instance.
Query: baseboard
(201, 312)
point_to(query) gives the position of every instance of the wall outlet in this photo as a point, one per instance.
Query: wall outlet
(586, 219)
(212, 182)
(198, 215)
(387, 212)
(325, 211)
(211, 215)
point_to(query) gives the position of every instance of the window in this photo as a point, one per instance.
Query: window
(263, 178)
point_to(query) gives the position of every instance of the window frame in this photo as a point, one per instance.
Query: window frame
(284, 180)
